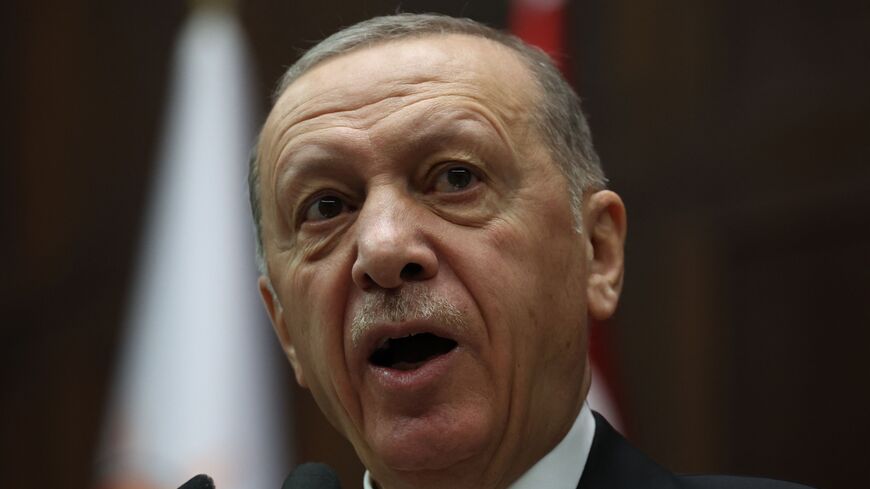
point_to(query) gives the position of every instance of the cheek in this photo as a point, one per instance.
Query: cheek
(315, 319)
(536, 270)
(314, 301)
(540, 253)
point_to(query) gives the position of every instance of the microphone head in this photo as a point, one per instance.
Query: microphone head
(200, 481)
(312, 476)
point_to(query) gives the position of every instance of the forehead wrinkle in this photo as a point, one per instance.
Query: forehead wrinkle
(505, 113)
(397, 90)
(283, 139)
(289, 139)
(475, 106)
(401, 86)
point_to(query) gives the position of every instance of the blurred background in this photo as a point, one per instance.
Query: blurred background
(737, 131)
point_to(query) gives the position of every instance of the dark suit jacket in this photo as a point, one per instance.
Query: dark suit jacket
(614, 464)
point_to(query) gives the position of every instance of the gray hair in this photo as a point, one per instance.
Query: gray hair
(412, 302)
(559, 116)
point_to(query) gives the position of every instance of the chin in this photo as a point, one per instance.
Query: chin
(438, 441)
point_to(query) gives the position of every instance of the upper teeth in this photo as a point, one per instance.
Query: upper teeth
(383, 343)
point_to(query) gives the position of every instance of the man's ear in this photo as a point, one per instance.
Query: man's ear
(276, 315)
(605, 227)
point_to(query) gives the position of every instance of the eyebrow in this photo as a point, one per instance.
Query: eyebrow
(309, 161)
(326, 158)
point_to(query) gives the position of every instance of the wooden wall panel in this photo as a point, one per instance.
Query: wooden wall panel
(84, 80)
(736, 132)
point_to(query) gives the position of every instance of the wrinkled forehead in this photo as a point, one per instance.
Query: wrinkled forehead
(459, 65)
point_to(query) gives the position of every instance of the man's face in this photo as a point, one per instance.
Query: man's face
(431, 290)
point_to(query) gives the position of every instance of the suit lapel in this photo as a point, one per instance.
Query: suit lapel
(614, 464)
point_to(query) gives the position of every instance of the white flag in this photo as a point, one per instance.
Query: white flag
(195, 390)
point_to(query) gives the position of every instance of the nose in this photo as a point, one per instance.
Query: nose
(391, 244)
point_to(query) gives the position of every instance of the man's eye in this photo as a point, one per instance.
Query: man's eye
(455, 179)
(324, 208)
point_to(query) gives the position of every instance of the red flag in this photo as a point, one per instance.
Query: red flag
(541, 23)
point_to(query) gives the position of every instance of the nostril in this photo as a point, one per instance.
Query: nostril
(367, 281)
(411, 271)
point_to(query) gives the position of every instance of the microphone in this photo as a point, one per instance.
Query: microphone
(200, 481)
(311, 476)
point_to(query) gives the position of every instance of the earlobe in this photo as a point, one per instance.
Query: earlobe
(276, 316)
(605, 225)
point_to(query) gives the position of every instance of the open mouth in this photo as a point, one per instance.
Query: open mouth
(410, 352)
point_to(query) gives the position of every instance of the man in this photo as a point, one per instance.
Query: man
(435, 235)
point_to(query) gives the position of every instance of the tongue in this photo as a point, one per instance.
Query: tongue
(407, 365)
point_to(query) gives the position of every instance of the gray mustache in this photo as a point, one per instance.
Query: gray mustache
(409, 303)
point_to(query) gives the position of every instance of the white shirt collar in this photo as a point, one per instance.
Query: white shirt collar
(559, 469)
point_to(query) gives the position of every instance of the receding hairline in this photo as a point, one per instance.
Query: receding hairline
(533, 94)
(379, 30)
(284, 86)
